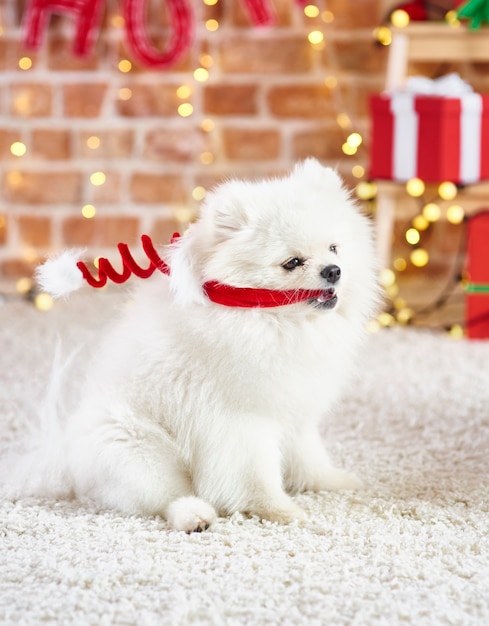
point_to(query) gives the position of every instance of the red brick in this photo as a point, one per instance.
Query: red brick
(35, 231)
(62, 58)
(229, 99)
(244, 144)
(101, 231)
(274, 55)
(157, 188)
(163, 228)
(16, 267)
(51, 144)
(83, 99)
(180, 145)
(31, 99)
(7, 138)
(110, 191)
(301, 101)
(322, 142)
(116, 143)
(41, 187)
(358, 14)
(150, 100)
(3, 230)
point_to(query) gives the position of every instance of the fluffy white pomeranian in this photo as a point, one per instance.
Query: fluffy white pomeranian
(194, 408)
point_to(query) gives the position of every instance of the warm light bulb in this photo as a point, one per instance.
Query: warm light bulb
(400, 18)
(354, 140)
(366, 190)
(456, 331)
(93, 142)
(383, 35)
(125, 66)
(88, 211)
(451, 18)
(198, 193)
(25, 63)
(184, 92)
(24, 285)
(387, 277)
(447, 190)
(185, 109)
(412, 236)
(212, 25)
(348, 150)
(125, 93)
(206, 60)
(419, 257)
(98, 178)
(455, 214)
(399, 264)
(201, 74)
(431, 212)
(311, 10)
(415, 187)
(43, 302)
(331, 82)
(207, 125)
(18, 148)
(206, 158)
(420, 222)
(343, 120)
(386, 319)
(358, 171)
(327, 16)
(315, 37)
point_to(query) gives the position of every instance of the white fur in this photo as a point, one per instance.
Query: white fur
(60, 275)
(193, 409)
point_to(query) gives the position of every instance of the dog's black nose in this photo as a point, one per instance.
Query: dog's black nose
(331, 273)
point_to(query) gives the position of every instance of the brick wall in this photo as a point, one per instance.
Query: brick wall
(270, 98)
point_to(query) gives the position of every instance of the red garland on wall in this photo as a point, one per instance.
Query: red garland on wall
(88, 15)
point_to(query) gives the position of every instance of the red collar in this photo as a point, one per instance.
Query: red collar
(216, 292)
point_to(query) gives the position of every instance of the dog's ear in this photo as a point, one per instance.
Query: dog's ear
(225, 211)
(313, 172)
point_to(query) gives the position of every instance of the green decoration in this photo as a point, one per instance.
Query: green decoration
(476, 11)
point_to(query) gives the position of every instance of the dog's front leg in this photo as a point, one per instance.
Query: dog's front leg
(309, 468)
(239, 468)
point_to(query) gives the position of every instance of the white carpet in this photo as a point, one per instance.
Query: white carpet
(411, 548)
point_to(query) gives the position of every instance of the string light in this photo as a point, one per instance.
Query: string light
(25, 63)
(348, 149)
(88, 211)
(24, 285)
(451, 17)
(431, 212)
(366, 190)
(206, 158)
(43, 302)
(311, 10)
(125, 66)
(354, 140)
(419, 257)
(400, 264)
(455, 214)
(201, 74)
(420, 222)
(185, 110)
(212, 25)
(400, 18)
(315, 37)
(387, 277)
(98, 178)
(93, 142)
(447, 190)
(198, 193)
(184, 92)
(343, 120)
(327, 16)
(125, 93)
(415, 187)
(207, 125)
(358, 171)
(412, 236)
(383, 35)
(18, 148)
(206, 60)
(331, 82)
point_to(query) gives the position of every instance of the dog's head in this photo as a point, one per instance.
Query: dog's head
(299, 232)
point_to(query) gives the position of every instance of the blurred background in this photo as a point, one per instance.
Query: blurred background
(126, 139)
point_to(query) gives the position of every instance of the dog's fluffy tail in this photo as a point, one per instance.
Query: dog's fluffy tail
(36, 465)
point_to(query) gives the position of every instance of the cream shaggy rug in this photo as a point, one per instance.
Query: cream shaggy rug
(411, 548)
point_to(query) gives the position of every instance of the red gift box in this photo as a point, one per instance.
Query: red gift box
(435, 138)
(477, 266)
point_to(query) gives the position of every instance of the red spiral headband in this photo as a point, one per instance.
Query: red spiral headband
(216, 292)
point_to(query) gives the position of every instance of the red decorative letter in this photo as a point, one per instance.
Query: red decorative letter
(88, 14)
(260, 12)
(182, 24)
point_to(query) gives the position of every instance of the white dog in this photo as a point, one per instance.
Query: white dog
(193, 408)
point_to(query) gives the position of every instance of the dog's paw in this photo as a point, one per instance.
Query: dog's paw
(190, 514)
(284, 514)
(335, 479)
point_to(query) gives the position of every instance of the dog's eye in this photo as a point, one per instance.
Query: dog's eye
(333, 248)
(292, 264)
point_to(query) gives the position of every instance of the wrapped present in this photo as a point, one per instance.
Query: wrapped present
(477, 267)
(423, 131)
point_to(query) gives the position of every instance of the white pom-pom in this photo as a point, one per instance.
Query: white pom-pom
(60, 276)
